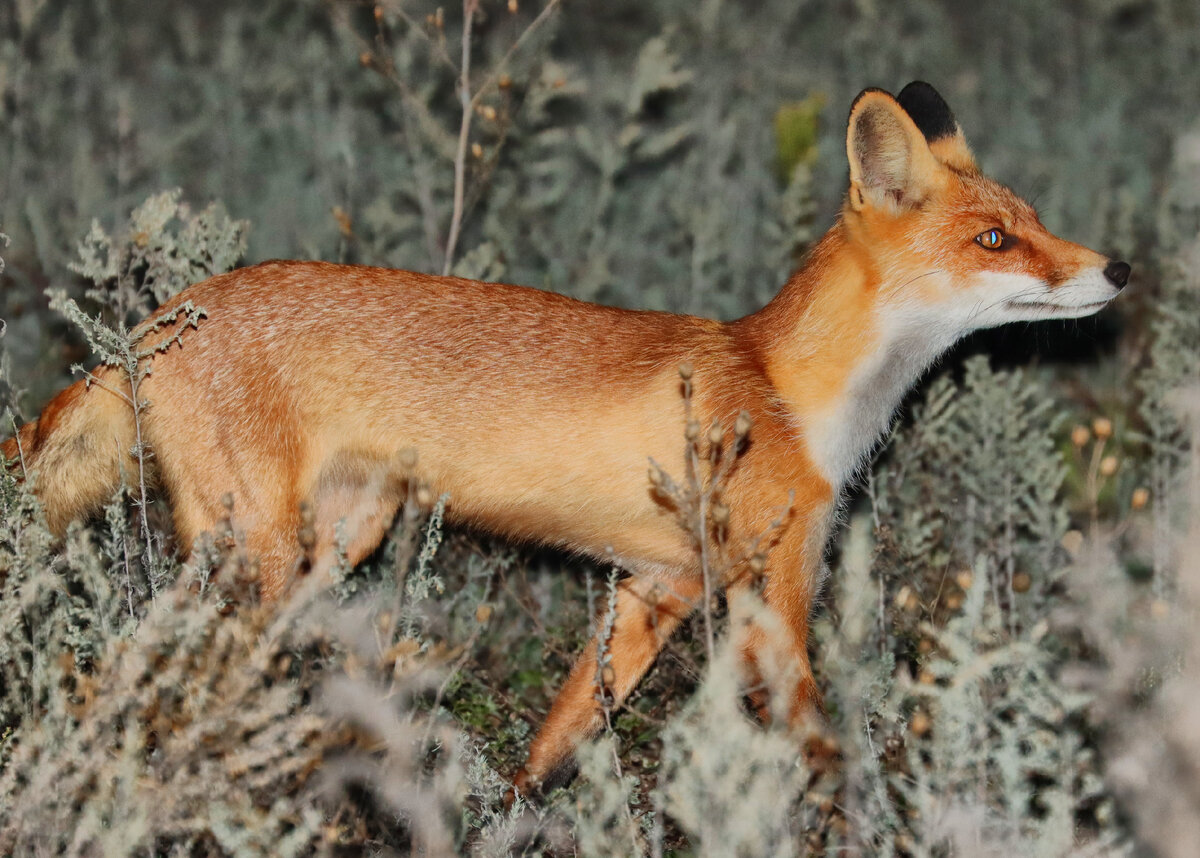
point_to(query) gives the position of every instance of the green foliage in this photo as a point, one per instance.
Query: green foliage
(161, 251)
(975, 482)
(796, 134)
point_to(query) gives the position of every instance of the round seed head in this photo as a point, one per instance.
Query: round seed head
(742, 427)
(1080, 435)
(920, 723)
(476, 150)
(1109, 465)
(1021, 582)
(424, 497)
(685, 371)
(964, 579)
(1141, 497)
(692, 430)
(1103, 427)
(758, 562)
(716, 434)
(720, 514)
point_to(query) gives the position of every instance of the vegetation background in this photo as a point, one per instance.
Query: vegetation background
(1008, 644)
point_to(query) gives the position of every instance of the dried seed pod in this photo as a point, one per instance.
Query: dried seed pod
(720, 514)
(1139, 499)
(692, 430)
(424, 497)
(741, 428)
(1021, 582)
(1109, 465)
(920, 723)
(716, 434)
(1103, 427)
(1080, 435)
(685, 371)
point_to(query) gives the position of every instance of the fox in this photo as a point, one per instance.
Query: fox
(306, 386)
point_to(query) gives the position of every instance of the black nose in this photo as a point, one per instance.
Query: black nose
(1117, 273)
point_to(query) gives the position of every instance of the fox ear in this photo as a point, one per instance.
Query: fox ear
(933, 116)
(891, 166)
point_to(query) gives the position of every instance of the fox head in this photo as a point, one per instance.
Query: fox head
(946, 243)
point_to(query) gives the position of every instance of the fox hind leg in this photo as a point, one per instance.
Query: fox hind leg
(648, 612)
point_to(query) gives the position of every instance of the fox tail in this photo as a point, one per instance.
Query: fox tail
(73, 455)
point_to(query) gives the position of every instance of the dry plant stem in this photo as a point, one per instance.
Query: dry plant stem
(469, 103)
(20, 450)
(429, 214)
(603, 642)
(494, 77)
(1093, 484)
(464, 131)
(141, 460)
(384, 66)
(135, 403)
(693, 477)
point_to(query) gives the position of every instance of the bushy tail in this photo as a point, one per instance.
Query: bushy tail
(75, 452)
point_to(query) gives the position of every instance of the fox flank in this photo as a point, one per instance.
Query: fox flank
(309, 385)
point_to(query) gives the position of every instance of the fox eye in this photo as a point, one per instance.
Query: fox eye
(992, 239)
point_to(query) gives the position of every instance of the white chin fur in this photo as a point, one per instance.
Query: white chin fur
(1020, 297)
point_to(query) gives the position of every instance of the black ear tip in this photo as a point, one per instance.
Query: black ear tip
(928, 110)
(920, 89)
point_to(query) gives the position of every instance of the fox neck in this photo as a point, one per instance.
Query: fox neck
(840, 358)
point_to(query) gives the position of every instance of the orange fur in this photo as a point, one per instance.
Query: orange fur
(536, 413)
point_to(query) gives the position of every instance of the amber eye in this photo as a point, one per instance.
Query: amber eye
(992, 239)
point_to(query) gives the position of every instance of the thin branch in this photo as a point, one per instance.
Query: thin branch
(464, 131)
(494, 77)
(470, 102)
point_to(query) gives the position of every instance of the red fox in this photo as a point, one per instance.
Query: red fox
(536, 413)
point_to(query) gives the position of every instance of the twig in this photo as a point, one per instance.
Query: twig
(470, 102)
(494, 77)
(464, 131)
(20, 449)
